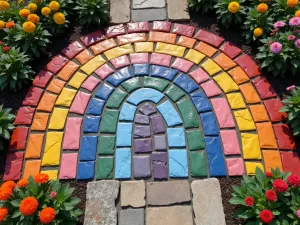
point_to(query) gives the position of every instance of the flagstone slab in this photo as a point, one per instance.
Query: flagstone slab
(133, 193)
(120, 11)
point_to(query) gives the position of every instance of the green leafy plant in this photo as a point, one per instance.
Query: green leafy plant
(202, 5)
(6, 125)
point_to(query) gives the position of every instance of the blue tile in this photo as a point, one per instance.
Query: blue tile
(127, 112)
(141, 69)
(178, 163)
(176, 137)
(95, 106)
(186, 83)
(215, 156)
(85, 170)
(119, 76)
(91, 124)
(124, 133)
(209, 123)
(163, 72)
(200, 101)
(145, 94)
(169, 113)
(88, 148)
(123, 163)
(104, 91)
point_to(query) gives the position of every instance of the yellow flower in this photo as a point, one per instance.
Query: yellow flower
(29, 27)
(2, 24)
(32, 7)
(21, 2)
(297, 13)
(233, 7)
(4, 5)
(292, 3)
(54, 5)
(46, 11)
(24, 13)
(262, 7)
(258, 32)
(33, 18)
(59, 18)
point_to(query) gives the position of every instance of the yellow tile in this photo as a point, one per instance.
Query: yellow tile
(66, 97)
(226, 83)
(244, 119)
(77, 80)
(251, 167)
(211, 67)
(118, 51)
(51, 173)
(143, 47)
(169, 49)
(236, 101)
(250, 146)
(58, 118)
(52, 149)
(194, 56)
(93, 64)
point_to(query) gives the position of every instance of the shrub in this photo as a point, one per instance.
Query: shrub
(271, 198)
(202, 5)
(37, 201)
(6, 125)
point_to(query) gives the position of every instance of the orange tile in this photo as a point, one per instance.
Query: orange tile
(186, 42)
(32, 167)
(56, 86)
(40, 121)
(224, 61)
(68, 71)
(206, 49)
(47, 102)
(272, 159)
(84, 56)
(238, 75)
(131, 38)
(103, 46)
(249, 93)
(259, 113)
(34, 147)
(266, 135)
(162, 37)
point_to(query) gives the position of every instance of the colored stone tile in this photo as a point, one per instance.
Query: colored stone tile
(84, 57)
(56, 86)
(127, 112)
(266, 135)
(238, 75)
(171, 116)
(132, 84)
(77, 80)
(186, 83)
(235, 166)
(114, 31)
(142, 145)
(174, 50)
(198, 164)
(273, 106)
(104, 71)
(143, 47)
(209, 38)
(223, 112)
(68, 166)
(141, 119)
(215, 157)
(93, 64)
(120, 62)
(88, 148)
(174, 93)
(248, 65)
(95, 106)
(226, 83)
(211, 67)
(209, 123)
(259, 113)
(40, 121)
(141, 69)
(163, 72)
(176, 137)
(250, 146)
(178, 163)
(53, 174)
(139, 58)
(33, 96)
(67, 71)
(104, 91)
(236, 100)
(272, 160)
(183, 29)
(147, 109)
(109, 121)
(263, 87)
(118, 51)
(160, 59)
(145, 94)
(56, 64)
(244, 120)
(73, 49)
(186, 42)
(200, 101)
(47, 102)
(116, 99)
(80, 102)
(124, 132)
(32, 168)
(72, 133)
(141, 131)
(58, 119)
(188, 113)
(123, 163)
(85, 170)
(231, 50)
(91, 124)
(156, 83)
(211, 89)
(206, 49)
(131, 38)
(230, 142)
(249, 93)
(163, 26)
(118, 77)
(224, 61)
(104, 169)
(195, 140)
(141, 166)
(103, 46)
(66, 97)
(162, 37)
(290, 162)
(90, 83)
(24, 116)
(284, 136)
(34, 146)
(182, 65)
(251, 167)
(42, 79)
(52, 149)
(160, 143)
(18, 138)
(158, 124)
(194, 56)
(106, 145)
(159, 165)
(92, 38)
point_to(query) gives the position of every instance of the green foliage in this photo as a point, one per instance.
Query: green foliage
(202, 5)
(92, 11)
(6, 124)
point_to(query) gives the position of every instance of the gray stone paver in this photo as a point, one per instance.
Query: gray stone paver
(148, 14)
(140, 4)
(178, 10)
(120, 11)
(133, 193)
(131, 217)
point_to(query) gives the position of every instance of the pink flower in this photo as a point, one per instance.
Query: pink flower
(276, 47)
(294, 21)
(291, 88)
(279, 24)
(291, 37)
(53, 194)
(298, 213)
(297, 43)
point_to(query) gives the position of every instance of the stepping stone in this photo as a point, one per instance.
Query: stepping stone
(178, 10)
(148, 14)
(133, 194)
(131, 216)
(141, 4)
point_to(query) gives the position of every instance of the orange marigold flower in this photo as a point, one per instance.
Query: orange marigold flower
(32, 7)
(262, 8)
(9, 184)
(54, 5)
(24, 13)
(47, 215)
(28, 206)
(2, 24)
(3, 213)
(29, 27)
(297, 13)
(10, 24)
(22, 183)
(46, 11)
(233, 7)
(5, 193)
(33, 18)
(4, 5)
(41, 178)
(292, 3)
(59, 18)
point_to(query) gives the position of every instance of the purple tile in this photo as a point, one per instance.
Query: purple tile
(142, 131)
(142, 145)
(147, 109)
(138, 27)
(141, 166)
(159, 165)
(115, 30)
(92, 38)
(160, 143)
(183, 29)
(141, 119)
(73, 49)
(158, 125)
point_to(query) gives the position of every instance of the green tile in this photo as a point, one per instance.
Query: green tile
(132, 84)
(188, 113)
(104, 168)
(109, 121)
(116, 99)
(174, 93)
(198, 164)
(156, 83)
(195, 140)
(106, 145)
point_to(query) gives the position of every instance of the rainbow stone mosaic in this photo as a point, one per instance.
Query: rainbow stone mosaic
(150, 100)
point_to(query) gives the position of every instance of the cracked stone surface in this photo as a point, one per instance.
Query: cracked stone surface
(133, 193)
(141, 4)
(120, 11)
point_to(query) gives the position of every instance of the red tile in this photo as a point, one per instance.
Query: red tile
(131, 38)
(273, 106)
(113, 31)
(285, 138)
(291, 162)
(184, 30)
(18, 138)
(264, 88)
(209, 38)
(248, 65)
(24, 116)
(92, 38)
(33, 96)
(231, 50)
(56, 63)
(162, 26)
(13, 166)
(42, 79)
(160, 59)
(73, 49)
(138, 27)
